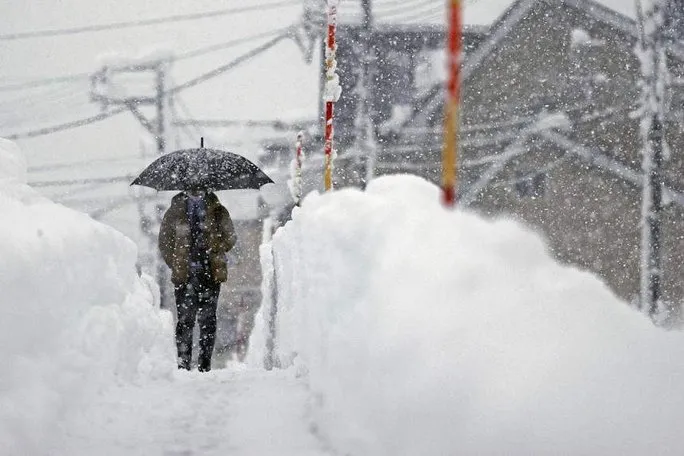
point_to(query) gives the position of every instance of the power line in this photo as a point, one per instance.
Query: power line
(119, 204)
(56, 166)
(144, 22)
(408, 14)
(92, 180)
(45, 81)
(403, 8)
(186, 85)
(228, 66)
(425, 17)
(221, 123)
(186, 129)
(227, 44)
(182, 56)
(33, 105)
(67, 125)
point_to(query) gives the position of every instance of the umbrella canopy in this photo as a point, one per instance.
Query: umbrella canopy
(202, 169)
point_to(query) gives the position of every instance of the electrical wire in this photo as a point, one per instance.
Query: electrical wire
(56, 166)
(404, 8)
(87, 180)
(415, 13)
(187, 128)
(78, 77)
(423, 18)
(174, 90)
(228, 44)
(45, 81)
(69, 105)
(222, 69)
(9, 100)
(144, 22)
(66, 125)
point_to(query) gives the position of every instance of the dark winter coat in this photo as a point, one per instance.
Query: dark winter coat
(175, 240)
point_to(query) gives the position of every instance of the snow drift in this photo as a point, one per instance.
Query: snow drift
(75, 314)
(425, 331)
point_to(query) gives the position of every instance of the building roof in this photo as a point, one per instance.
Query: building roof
(475, 12)
(607, 11)
(519, 9)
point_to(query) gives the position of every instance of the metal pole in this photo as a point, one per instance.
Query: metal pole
(365, 134)
(653, 194)
(161, 128)
(160, 208)
(451, 108)
(654, 95)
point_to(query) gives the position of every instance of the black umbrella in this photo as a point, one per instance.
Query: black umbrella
(202, 169)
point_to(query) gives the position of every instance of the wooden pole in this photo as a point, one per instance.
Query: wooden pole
(451, 109)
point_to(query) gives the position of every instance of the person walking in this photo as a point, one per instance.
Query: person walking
(195, 235)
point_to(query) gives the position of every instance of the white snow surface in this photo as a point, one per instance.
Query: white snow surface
(76, 316)
(234, 411)
(89, 365)
(427, 331)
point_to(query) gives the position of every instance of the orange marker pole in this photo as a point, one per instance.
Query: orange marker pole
(451, 106)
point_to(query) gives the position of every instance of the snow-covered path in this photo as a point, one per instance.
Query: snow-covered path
(234, 411)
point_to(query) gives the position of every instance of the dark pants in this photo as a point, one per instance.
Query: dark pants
(196, 299)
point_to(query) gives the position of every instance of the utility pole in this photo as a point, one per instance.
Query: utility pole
(365, 144)
(106, 92)
(654, 86)
(160, 104)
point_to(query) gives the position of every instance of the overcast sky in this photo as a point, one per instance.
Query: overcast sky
(277, 84)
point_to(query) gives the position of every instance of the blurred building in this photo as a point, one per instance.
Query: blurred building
(548, 134)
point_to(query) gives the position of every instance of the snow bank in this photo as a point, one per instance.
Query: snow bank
(424, 331)
(75, 314)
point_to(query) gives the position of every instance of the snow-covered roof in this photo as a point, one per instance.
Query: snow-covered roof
(603, 10)
(618, 13)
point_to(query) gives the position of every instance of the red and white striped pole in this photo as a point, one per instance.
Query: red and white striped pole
(451, 109)
(299, 157)
(332, 91)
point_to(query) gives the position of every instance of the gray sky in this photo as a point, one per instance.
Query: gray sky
(278, 84)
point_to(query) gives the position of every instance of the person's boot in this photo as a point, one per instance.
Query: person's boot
(184, 355)
(206, 348)
(204, 363)
(184, 364)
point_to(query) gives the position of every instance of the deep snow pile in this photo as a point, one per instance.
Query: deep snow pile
(424, 331)
(75, 314)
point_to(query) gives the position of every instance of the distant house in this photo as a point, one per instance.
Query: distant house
(550, 137)
(548, 132)
(407, 64)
